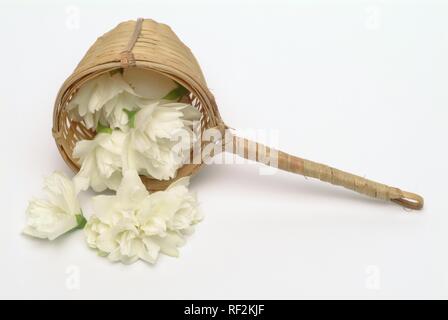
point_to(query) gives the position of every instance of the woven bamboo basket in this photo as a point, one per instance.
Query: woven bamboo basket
(150, 45)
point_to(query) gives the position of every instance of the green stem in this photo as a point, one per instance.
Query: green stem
(103, 129)
(81, 221)
(131, 117)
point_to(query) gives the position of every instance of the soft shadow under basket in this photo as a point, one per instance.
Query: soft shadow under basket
(154, 46)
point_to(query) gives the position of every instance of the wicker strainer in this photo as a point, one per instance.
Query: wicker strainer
(154, 46)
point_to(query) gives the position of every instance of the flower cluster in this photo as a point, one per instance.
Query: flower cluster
(134, 224)
(140, 126)
(141, 129)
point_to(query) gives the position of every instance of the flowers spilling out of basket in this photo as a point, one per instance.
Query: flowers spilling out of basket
(142, 128)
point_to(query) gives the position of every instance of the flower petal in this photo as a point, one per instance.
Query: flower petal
(131, 188)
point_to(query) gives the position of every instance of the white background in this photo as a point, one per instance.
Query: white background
(360, 85)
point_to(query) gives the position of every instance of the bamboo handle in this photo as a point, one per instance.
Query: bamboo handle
(261, 153)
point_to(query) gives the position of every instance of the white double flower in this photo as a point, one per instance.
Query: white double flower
(101, 161)
(59, 214)
(160, 139)
(103, 99)
(134, 224)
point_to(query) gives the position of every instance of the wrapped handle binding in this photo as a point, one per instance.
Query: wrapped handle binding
(286, 162)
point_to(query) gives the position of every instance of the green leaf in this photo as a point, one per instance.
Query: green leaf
(103, 129)
(176, 94)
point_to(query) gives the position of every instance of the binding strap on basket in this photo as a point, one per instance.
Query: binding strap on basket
(127, 58)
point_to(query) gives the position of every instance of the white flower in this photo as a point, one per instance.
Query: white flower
(161, 138)
(187, 213)
(106, 98)
(94, 94)
(48, 219)
(100, 161)
(115, 112)
(161, 120)
(150, 158)
(134, 225)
